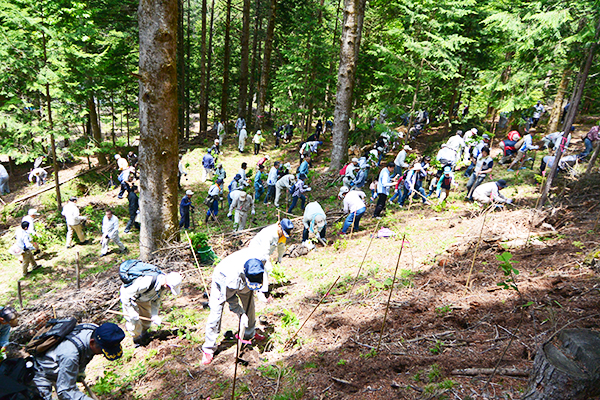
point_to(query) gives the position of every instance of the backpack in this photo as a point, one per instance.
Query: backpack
(54, 332)
(130, 270)
(15, 375)
(343, 170)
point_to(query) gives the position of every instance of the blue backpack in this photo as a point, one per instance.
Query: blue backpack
(130, 270)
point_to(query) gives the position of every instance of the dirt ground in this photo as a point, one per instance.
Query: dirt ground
(446, 312)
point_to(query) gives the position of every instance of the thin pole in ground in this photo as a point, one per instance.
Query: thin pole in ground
(290, 340)
(387, 307)
(20, 294)
(476, 249)
(363, 260)
(77, 271)
(352, 227)
(240, 336)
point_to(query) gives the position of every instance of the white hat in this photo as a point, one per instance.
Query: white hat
(474, 130)
(216, 140)
(343, 190)
(320, 221)
(355, 160)
(287, 165)
(189, 192)
(117, 156)
(407, 148)
(32, 211)
(267, 157)
(243, 195)
(174, 280)
(219, 165)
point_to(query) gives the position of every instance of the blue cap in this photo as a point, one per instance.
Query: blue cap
(286, 227)
(254, 270)
(237, 177)
(219, 181)
(501, 183)
(447, 169)
(109, 337)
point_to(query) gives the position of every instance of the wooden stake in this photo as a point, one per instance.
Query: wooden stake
(237, 347)
(20, 294)
(197, 263)
(290, 340)
(387, 307)
(89, 390)
(142, 318)
(77, 271)
(477, 248)
(363, 260)
(352, 226)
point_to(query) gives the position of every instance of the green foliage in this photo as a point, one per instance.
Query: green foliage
(444, 310)
(279, 275)
(342, 362)
(372, 353)
(199, 240)
(508, 270)
(289, 319)
(437, 348)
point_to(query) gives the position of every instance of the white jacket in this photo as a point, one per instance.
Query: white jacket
(266, 240)
(140, 290)
(110, 227)
(229, 273)
(71, 213)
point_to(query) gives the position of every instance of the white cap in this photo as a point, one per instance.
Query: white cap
(267, 157)
(287, 165)
(343, 190)
(189, 192)
(32, 211)
(355, 160)
(407, 148)
(174, 280)
(243, 195)
(216, 140)
(117, 156)
(474, 130)
(320, 221)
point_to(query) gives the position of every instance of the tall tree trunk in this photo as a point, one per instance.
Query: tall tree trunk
(51, 126)
(354, 13)
(244, 56)
(226, 57)
(127, 113)
(203, 99)
(255, 55)
(266, 66)
(415, 96)
(95, 127)
(332, 59)
(112, 112)
(209, 65)
(158, 153)
(180, 71)
(558, 101)
(570, 119)
(188, 50)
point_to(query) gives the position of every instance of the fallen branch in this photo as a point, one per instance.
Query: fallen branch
(142, 318)
(489, 371)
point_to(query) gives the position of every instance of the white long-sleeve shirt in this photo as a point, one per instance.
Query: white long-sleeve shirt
(491, 191)
(257, 139)
(456, 143)
(401, 159)
(142, 290)
(384, 182)
(229, 273)
(23, 240)
(272, 178)
(110, 227)
(354, 201)
(71, 213)
(214, 190)
(266, 240)
(286, 181)
(181, 167)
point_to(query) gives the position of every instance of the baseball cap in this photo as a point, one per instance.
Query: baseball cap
(174, 280)
(343, 190)
(355, 160)
(32, 211)
(189, 192)
(254, 271)
(320, 221)
(501, 183)
(219, 181)
(73, 198)
(109, 337)
(447, 169)
(243, 196)
(485, 136)
(407, 148)
(286, 227)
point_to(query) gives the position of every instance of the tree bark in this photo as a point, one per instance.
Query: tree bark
(51, 125)
(95, 127)
(180, 71)
(255, 60)
(203, 99)
(558, 101)
(226, 57)
(209, 64)
(158, 153)
(567, 371)
(244, 59)
(590, 165)
(570, 119)
(266, 66)
(354, 12)
(415, 97)
(188, 51)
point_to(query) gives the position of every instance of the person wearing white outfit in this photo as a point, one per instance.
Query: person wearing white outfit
(241, 202)
(221, 132)
(235, 279)
(286, 182)
(74, 221)
(273, 237)
(490, 193)
(110, 231)
(242, 139)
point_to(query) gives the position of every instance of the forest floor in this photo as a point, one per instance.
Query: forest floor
(447, 312)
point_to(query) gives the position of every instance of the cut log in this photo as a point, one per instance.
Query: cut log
(567, 368)
(489, 371)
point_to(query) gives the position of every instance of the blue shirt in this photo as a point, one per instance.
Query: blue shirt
(185, 204)
(384, 182)
(303, 168)
(208, 161)
(527, 144)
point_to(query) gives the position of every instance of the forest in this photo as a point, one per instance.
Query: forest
(133, 108)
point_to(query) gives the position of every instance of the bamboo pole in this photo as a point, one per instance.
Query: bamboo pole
(20, 294)
(142, 318)
(387, 307)
(363, 260)
(197, 263)
(77, 271)
(290, 340)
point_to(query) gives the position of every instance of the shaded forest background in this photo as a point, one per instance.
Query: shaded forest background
(69, 68)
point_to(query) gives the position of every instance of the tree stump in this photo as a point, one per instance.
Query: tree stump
(567, 367)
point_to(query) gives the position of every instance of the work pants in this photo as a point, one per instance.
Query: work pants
(184, 222)
(381, 199)
(78, 229)
(115, 239)
(241, 145)
(306, 232)
(278, 190)
(207, 174)
(518, 161)
(270, 193)
(256, 148)
(213, 209)
(295, 201)
(589, 147)
(481, 199)
(138, 327)
(353, 218)
(131, 222)
(258, 192)
(217, 302)
(27, 259)
(474, 181)
(240, 219)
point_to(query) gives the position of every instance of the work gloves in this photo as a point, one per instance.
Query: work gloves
(156, 320)
(253, 212)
